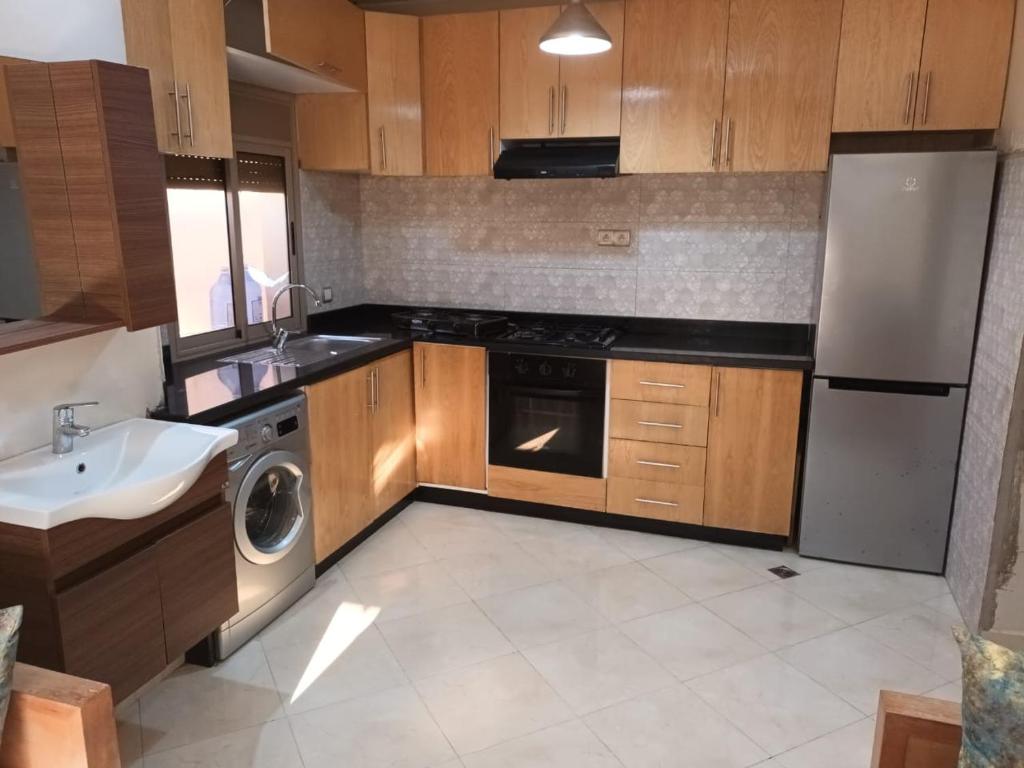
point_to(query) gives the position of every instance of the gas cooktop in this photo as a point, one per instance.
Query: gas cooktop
(539, 331)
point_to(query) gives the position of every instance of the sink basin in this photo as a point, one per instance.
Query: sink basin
(304, 351)
(127, 470)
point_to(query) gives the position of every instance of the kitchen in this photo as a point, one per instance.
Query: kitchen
(526, 428)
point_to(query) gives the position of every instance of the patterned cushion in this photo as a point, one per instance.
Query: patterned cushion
(993, 706)
(10, 621)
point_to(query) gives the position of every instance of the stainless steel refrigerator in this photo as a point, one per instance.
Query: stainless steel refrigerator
(904, 255)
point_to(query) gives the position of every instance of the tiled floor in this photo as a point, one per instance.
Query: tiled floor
(455, 638)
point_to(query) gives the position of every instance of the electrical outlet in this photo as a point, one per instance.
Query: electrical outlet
(605, 237)
(327, 295)
(621, 237)
(614, 237)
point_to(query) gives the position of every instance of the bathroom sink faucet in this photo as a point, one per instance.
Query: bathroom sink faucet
(64, 428)
(280, 334)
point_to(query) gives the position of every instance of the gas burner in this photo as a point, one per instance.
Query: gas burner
(476, 325)
(556, 333)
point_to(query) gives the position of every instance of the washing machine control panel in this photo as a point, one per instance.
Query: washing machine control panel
(258, 433)
(266, 433)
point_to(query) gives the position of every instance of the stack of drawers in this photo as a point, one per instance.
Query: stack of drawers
(657, 450)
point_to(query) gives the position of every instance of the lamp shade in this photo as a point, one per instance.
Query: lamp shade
(575, 33)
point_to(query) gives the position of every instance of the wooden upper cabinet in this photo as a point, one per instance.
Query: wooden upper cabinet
(780, 81)
(672, 82)
(323, 36)
(330, 131)
(394, 432)
(451, 415)
(752, 443)
(529, 77)
(393, 94)
(591, 97)
(964, 62)
(181, 43)
(879, 55)
(460, 93)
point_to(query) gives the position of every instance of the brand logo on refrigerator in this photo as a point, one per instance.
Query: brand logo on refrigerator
(911, 184)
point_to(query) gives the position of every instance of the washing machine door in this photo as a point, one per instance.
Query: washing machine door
(271, 508)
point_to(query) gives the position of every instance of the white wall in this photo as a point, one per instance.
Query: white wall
(120, 369)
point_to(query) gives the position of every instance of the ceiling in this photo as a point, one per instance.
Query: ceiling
(427, 7)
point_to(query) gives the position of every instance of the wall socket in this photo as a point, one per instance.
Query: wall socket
(618, 238)
(327, 295)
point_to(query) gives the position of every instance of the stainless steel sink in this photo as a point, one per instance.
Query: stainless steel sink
(307, 350)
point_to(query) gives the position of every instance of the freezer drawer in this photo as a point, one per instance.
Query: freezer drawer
(878, 481)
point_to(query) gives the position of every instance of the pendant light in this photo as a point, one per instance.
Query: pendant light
(575, 33)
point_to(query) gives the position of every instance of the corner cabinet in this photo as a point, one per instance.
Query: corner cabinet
(460, 93)
(181, 43)
(451, 415)
(361, 437)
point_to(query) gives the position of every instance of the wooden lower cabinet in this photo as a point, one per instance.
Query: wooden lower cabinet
(659, 462)
(659, 422)
(752, 447)
(451, 415)
(661, 382)
(393, 472)
(660, 501)
(546, 488)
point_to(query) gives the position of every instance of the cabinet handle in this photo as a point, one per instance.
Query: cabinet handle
(641, 500)
(659, 424)
(660, 384)
(908, 112)
(423, 367)
(661, 464)
(565, 107)
(328, 65)
(718, 391)
(714, 144)
(383, 149)
(727, 141)
(376, 390)
(551, 111)
(188, 98)
(174, 94)
(490, 146)
(927, 98)
(369, 390)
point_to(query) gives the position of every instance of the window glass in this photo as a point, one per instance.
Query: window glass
(263, 222)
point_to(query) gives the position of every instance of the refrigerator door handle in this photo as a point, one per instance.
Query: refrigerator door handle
(889, 387)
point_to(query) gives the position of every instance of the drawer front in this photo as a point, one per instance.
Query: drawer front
(660, 462)
(659, 501)
(659, 422)
(661, 382)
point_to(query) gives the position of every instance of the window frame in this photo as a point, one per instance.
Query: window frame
(242, 334)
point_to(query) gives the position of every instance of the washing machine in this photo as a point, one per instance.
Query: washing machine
(268, 486)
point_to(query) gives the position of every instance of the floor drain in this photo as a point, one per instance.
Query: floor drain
(784, 572)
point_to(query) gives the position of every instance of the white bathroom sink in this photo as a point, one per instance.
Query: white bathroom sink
(126, 470)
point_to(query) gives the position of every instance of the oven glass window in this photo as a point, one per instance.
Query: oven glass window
(273, 511)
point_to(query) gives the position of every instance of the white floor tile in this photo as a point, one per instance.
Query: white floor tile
(342, 667)
(264, 746)
(626, 592)
(641, 546)
(409, 591)
(947, 605)
(578, 553)
(482, 574)
(491, 702)
(763, 559)
(387, 730)
(922, 633)
(444, 639)
(129, 734)
(450, 531)
(524, 528)
(773, 703)
(849, 747)
(857, 668)
(570, 745)
(195, 703)
(541, 614)
(306, 622)
(953, 691)
(596, 670)
(703, 573)
(390, 548)
(691, 641)
(773, 616)
(672, 727)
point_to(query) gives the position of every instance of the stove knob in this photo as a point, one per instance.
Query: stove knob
(545, 368)
(522, 367)
(569, 370)
(266, 433)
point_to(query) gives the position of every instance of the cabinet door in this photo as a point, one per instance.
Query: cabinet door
(963, 64)
(112, 625)
(394, 432)
(779, 85)
(672, 80)
(879, 54)
(460, 93)
(451, 415)
(591, 97)
(323, 36)
(201, 69)
(147, 41)
(331, 132)
(751, 461)
(198, 588)
(393, 94)
(340, 444)
(529, 77)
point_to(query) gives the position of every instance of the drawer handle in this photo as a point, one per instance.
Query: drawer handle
(659, 424)
(658, 464)
(661, 384)
(656, 503)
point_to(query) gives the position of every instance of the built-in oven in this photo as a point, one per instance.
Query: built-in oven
(547, 413)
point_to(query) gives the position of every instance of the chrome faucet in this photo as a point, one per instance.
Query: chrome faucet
(64, 428)
(280, 334)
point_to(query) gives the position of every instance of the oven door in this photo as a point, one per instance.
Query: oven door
(552, 423)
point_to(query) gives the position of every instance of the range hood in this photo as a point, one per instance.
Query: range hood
(558, 159)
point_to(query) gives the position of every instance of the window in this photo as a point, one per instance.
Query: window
(233, 247)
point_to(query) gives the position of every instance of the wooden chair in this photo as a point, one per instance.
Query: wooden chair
(58, 721)
(916, 732)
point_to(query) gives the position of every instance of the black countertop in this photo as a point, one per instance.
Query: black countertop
(208, 391)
